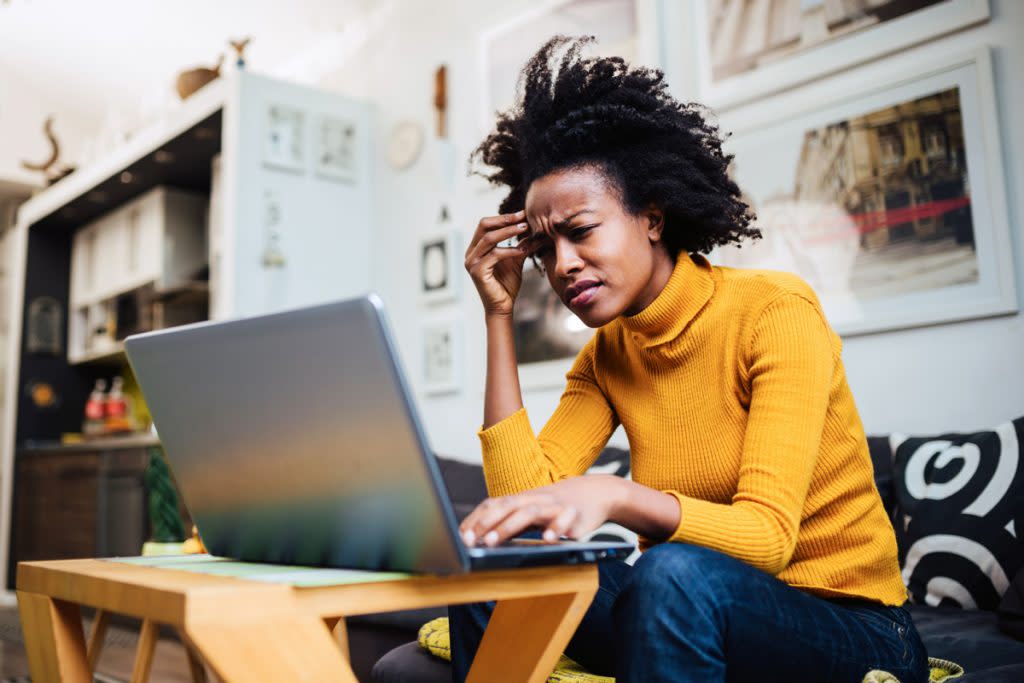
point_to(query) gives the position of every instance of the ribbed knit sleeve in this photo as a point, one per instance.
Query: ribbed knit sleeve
(788, 364)
(515, 460)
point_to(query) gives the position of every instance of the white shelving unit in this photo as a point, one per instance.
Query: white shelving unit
(284, 172)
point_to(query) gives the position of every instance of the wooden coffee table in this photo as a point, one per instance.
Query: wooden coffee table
(255, 631)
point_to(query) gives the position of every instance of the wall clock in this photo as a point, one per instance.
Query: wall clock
(404, 144)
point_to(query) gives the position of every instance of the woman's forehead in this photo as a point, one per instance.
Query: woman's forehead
(560, 195)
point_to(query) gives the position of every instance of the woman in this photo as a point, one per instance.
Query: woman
(768, 552)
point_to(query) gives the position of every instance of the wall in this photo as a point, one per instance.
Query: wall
(956, 376)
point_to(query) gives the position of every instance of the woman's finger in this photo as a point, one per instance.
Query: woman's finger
(489, 242)
(561, 525)
(521, 519)
(489, 223)
(471, 522)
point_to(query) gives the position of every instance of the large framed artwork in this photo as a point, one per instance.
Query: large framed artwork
(890, 203)
(747, 50)
(623, 28)
(547, 334)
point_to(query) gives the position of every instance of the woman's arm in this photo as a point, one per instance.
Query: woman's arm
(502, 395)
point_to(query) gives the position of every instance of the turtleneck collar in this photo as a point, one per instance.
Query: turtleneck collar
(689, 287)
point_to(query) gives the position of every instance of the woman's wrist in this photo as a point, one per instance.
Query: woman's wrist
(650, 513)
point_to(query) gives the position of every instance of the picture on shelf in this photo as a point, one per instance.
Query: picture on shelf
(750, 49)
(544, 329)
(883, 204)
(336, 149)
(439, 267)
(284, 138)
(441, 354)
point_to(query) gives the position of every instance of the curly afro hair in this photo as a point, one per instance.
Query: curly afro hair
(600, 112)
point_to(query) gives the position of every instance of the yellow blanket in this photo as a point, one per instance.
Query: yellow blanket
(434, 638)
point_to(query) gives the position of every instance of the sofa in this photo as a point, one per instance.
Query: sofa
(987, 639)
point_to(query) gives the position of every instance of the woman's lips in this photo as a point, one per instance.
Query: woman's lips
(585, 297)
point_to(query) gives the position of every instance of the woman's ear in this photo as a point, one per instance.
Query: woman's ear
(655, 222)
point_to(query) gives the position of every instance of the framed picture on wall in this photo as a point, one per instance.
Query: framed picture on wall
(547, 334)
(891, 203)
(335, 151)
(440, 267)
(442, 357)
(623, 28)
(747, 50)
(284, 138)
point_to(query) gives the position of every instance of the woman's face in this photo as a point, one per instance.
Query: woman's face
(601, 260)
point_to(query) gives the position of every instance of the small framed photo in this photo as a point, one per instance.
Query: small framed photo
(442, 357)
(284, 139)
(335, 150)
(440, 263)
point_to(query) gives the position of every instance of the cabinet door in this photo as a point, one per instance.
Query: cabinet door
(109, 254)
(142, 243)
(83, 250)
(150, 226)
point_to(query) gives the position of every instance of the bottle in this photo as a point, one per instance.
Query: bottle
(93, 425)
(115, 409)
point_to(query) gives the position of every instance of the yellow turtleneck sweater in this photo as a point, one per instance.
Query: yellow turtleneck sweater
(733, 396)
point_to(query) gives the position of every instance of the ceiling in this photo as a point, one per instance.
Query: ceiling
(118, 58)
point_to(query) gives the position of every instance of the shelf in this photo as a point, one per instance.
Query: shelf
(102, 443)
(190, 135)
(187, 291)
(113, 355)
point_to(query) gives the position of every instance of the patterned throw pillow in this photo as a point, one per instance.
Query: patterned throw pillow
(960, 507)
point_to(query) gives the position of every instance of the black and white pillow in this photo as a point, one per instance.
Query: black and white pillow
(960, 508)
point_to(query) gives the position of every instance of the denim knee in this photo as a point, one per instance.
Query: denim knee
(672, 574)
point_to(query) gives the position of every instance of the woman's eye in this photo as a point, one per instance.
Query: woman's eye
(580, 232)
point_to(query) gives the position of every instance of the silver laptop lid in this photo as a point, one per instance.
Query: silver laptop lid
(293, 439)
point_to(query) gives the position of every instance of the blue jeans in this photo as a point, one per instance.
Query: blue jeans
(687, 613)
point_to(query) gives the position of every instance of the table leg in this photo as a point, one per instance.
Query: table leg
(148, 635)
(54, 639)
(526, 636)
(195, 663)
(288, 648)
(336, 625)
(97, 637)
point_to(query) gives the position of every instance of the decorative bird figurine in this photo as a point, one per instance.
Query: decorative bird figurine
(239, 47)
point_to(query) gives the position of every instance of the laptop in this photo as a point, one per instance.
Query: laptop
(294, 439)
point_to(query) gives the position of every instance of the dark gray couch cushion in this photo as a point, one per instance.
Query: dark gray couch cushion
(411, 664)
(971, 638)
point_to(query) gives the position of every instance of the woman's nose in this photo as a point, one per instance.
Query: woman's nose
(567, 260)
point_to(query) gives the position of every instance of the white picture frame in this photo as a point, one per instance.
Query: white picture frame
(827, 56)
(335, 152)
(869, 285)
(626, 28)
(284, 137)
(442, 357)
(440, 263)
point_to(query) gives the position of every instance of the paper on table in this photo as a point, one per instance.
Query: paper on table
(268, 573)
